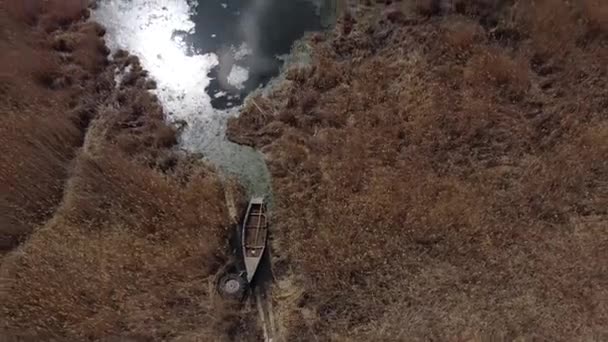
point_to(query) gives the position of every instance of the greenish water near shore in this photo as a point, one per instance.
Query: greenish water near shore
(200, 52)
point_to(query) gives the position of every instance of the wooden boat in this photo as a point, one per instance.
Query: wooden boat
(254, 233)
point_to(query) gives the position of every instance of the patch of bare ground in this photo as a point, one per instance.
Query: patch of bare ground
(120, 235)
(442, 175)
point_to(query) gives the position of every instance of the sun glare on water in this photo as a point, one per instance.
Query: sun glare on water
(148, 29)
(154, 30)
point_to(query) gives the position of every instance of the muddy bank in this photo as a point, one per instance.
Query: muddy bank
(121, 235)
(437, 176)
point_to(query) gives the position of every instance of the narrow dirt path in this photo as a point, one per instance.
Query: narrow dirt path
(263, 297)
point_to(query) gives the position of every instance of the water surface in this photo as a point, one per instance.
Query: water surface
(206, 56)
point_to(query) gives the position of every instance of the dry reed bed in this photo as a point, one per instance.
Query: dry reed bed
(125, 235)
(443, 175)
(47, 97)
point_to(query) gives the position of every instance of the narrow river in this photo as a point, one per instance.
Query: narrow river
(206, 57)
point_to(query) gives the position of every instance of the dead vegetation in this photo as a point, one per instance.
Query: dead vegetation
(131, 253)
(47, 98)
(442, 176)
(113, 233)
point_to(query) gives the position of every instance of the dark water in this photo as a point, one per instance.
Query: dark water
(267, 27)
(181, 43)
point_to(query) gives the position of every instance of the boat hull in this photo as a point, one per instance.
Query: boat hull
(254, 234)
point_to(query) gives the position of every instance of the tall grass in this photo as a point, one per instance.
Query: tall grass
(462, 195)
(121, 237)
(42, 123)
(34, 167)
(134, 248)
(51, 13)
(131, 251)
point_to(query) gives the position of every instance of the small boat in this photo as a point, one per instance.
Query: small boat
(254, 233)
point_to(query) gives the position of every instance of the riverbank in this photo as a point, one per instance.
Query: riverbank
(439, 173)
(108, 231)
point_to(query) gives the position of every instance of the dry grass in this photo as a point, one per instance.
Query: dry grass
(131, 253)
(125, 236)
(496, 67)
(427, 7)
(33, 168)
(596, 12)
(45, 103)
(461, 35)
(143, 243)
(51, 14)
(434, 192)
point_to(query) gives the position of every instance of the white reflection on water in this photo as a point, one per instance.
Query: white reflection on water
(238, 76)
(148, 29)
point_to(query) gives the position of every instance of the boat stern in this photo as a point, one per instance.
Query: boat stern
(257, 200)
